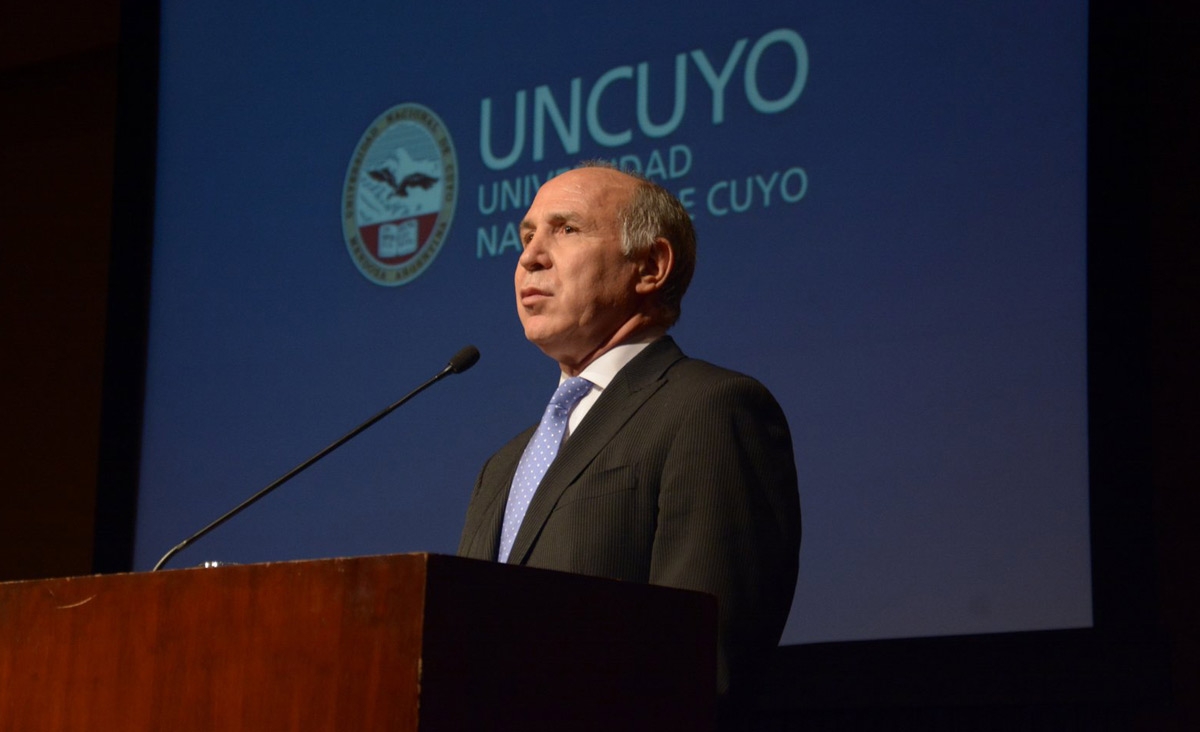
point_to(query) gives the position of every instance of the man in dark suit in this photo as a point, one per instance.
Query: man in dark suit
(671, 470)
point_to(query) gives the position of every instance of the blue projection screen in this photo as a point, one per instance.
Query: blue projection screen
(890, 202)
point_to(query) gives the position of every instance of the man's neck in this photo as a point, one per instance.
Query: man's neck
(636, 330)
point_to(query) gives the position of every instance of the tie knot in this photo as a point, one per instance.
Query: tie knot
(570, 392)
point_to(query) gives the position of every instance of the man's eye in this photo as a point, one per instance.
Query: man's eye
(568, 229)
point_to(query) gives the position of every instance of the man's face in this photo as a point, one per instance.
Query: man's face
(574, 287)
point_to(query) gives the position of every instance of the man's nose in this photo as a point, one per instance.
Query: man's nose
(533, 256)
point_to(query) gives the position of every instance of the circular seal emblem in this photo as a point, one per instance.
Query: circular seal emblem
(399, 195)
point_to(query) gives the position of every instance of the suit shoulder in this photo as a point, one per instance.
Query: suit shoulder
(700, 386)
(696, 372)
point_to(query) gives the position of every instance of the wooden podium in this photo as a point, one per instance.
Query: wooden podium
(408, 642)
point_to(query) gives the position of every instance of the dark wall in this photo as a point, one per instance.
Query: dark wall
(1172, 231)
(58, 92)
(58, 111)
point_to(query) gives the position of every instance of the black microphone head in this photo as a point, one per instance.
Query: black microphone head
(463, 360)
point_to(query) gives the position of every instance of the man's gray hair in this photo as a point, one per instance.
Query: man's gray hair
(654, 212)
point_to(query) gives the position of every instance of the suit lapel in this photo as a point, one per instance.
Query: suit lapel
(486, 512)
(633, 385)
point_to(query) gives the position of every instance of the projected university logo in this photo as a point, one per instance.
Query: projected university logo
(399, 195)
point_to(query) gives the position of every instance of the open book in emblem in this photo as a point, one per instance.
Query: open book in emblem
(398, 239)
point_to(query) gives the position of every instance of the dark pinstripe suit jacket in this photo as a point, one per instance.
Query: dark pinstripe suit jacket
(682, 475)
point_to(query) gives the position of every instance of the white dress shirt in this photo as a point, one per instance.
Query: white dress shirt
(602, 371)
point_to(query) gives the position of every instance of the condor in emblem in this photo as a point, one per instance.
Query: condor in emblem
(399, 196)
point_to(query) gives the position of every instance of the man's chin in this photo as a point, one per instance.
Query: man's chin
(540, 328)
(539, 337)
(550, 344)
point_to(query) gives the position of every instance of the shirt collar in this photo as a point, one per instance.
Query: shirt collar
(604, 369)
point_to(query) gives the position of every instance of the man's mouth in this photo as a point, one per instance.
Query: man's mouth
(532, 295)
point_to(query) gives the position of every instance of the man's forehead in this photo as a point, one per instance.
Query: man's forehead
(575, 191)
(595, 178)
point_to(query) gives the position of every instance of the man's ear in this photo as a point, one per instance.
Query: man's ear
(655, 266)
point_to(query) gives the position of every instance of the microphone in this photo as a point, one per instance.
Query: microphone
(460, 362)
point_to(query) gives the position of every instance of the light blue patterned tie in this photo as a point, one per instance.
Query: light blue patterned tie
(539, 453)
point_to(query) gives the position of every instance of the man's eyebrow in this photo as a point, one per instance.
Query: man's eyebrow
(551, 217)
